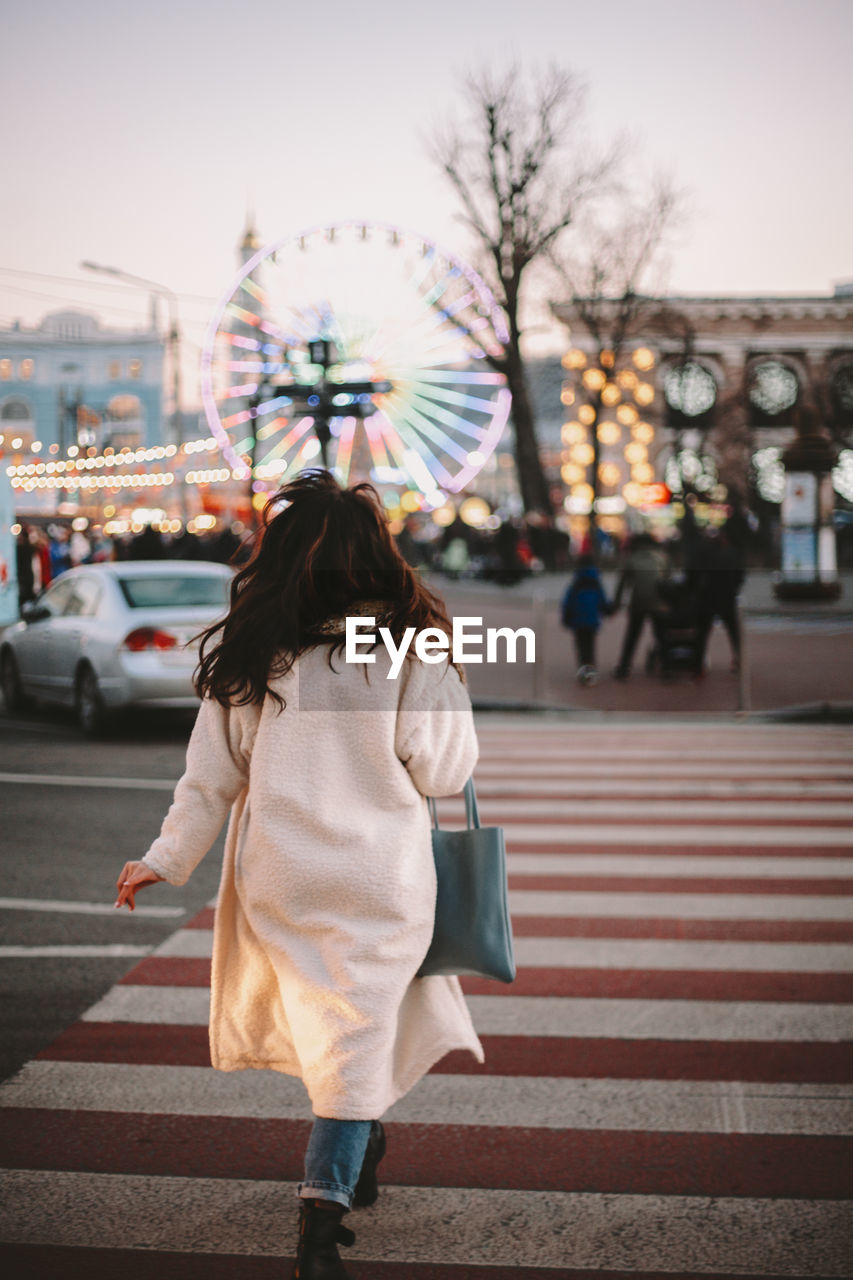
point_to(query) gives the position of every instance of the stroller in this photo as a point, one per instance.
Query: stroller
(677, 637)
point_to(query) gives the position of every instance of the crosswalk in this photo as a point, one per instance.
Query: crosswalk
(667, 1086)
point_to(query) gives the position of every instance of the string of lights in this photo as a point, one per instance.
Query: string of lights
(71, 472)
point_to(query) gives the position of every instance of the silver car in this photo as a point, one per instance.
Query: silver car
(114, 635)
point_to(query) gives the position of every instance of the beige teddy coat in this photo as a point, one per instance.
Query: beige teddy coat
(327, 897)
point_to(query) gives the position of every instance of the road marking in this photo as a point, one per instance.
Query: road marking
(110, 951)
(71, 780)
(608, 953)
(518, 808)
(675, 865)
(65, 906)
(533, 1056)
(677, 906)
(646, 833)
(448, 1225)
(563, 1016)
(542, 1102)
(575, 782)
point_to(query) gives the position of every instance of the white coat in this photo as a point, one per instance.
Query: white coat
(327, 898)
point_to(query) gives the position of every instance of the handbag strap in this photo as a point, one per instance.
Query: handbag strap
(472, 813)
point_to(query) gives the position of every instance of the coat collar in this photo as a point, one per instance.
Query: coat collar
(358, 609)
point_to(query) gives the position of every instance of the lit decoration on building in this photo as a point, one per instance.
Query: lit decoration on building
(690, 389)
(643, 359)
(773, 387)
(399, 313)
(572, 433)
(90, 473)
(594, 379)
(609, 433)
(608, 444)
(635, 452)
(610, 473)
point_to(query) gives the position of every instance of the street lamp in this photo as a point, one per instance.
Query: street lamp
(323, 399)
(174, 333)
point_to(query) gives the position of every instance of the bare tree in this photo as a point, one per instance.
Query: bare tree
(522, 174)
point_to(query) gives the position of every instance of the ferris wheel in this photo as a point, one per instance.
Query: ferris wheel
(362, 347)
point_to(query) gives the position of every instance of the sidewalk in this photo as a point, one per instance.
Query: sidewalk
(756, 597)
(796, 659)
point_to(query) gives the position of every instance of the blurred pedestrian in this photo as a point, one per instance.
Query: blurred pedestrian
(41, 559)
(225, 545)
(186, 546)
(582, 609)
(60, 550)
(24, 567)
(409, 544)
(508, 566)
(717, 575)
(455, 549)
(641, 580)
(80, 548)
(147, 545)
(326, 906)
(102, 547)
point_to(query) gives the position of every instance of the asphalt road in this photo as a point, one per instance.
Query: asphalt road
(63, 846)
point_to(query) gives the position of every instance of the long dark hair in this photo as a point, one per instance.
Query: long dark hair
(320, 551)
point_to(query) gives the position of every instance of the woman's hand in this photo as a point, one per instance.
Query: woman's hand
(135, 875)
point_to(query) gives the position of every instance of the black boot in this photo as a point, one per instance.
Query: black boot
(320, 1233)
(367, 1189)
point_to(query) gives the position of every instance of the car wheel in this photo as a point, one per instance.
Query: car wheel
(91, 713)
(10, 683)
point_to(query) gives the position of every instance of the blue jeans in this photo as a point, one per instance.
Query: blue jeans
(333, 1160)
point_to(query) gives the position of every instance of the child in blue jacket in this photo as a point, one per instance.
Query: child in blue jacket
(583, 607)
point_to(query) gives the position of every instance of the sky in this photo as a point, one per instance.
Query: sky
(141, 135)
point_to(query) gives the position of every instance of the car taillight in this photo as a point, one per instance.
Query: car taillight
(149, 638)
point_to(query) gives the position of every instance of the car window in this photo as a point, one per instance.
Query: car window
(175, 590)
(84, 597)
(57, 596)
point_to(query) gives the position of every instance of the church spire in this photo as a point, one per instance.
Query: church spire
(251, 241)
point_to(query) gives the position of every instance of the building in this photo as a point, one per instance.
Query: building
(70, 381)
(703, 394)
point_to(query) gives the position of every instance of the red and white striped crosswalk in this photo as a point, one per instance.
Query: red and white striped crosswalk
(667, 1085)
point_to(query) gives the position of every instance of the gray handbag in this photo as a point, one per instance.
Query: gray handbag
(472, 931)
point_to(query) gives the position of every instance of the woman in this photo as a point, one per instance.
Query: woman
(327, 898)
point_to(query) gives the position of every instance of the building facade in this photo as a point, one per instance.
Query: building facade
(705, 395)
(70, 381)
